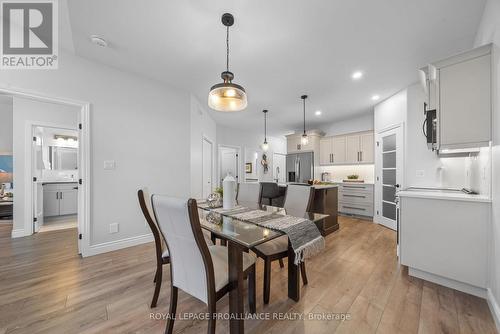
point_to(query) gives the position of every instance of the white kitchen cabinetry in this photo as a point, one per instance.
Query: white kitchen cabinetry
(356, 199)
(294, 144)
(445, 240)
(349, 149)
(462, 93)
(60, 199)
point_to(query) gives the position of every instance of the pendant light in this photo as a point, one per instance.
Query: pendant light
(265, 145)
(227, 96)
(304, 140)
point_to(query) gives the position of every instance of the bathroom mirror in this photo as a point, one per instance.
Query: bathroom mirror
(63, 158)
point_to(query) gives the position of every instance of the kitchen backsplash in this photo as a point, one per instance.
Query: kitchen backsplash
(339, 173)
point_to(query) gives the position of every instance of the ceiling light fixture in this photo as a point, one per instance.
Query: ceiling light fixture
(227, 96)
(375, 97)
(265, 145)
(304, 140)
(357, 75)
(318, 113)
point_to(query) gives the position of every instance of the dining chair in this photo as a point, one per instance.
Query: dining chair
(196, 268)
(248, 192)
(298, 201)
(162, 255)
(269, 191)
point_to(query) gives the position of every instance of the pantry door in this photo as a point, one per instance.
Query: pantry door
(389, 175)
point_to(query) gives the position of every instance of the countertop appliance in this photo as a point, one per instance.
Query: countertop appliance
(300, 167)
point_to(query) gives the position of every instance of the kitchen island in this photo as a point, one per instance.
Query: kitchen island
(325, 201)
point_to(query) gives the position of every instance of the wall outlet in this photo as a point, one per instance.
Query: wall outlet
(113, 228)
(109, 164)
(420, 173)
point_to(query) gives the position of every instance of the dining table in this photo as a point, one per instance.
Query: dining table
(240, 236)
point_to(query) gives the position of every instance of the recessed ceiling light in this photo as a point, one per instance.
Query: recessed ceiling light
(375, 97)
(357, 75)
(99, 41)
(317, 113)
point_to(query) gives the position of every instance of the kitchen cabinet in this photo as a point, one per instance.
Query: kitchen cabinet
(356, 199)
(460, 89)
(60, 199)
(294, 144)
(444, 238)
(348, 149)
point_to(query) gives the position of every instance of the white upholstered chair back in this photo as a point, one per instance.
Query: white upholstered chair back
(248, 192)
(189, 270)
(297, 200)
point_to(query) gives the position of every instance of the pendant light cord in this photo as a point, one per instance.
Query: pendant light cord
(265, 127)
(304, 116)
(227, 49)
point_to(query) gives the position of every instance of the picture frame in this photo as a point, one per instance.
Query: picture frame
(248, 168)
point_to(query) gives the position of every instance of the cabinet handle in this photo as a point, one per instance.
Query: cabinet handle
(361, 156)
(57, 195)
(61, 195)
(353, 187)
(358, 196)
(333, 158)
(351, 207)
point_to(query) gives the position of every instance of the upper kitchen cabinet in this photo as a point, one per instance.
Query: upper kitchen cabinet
(294, 144)
(356, 148)
(461, 87)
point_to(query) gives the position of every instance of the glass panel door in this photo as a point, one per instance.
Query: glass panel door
(389, 175)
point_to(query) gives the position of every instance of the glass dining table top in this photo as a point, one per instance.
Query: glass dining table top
(239, 231)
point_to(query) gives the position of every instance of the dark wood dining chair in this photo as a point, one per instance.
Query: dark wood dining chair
(298, 201)
(196, 268)
(161, 250)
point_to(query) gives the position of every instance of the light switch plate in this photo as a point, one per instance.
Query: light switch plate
(113, 228)
(109, 165)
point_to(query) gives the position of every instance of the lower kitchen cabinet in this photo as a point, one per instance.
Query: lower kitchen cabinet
(356, 199)
(60, 199)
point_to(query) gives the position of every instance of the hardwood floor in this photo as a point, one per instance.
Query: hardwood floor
(46, 288)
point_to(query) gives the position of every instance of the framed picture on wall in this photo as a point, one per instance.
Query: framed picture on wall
(248, 168)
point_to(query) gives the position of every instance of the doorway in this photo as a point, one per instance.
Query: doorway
(389, 174)
(228, 162)
(279, 167)
(55, 172)
(207, 168)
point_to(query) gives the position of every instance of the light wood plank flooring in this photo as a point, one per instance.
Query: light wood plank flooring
(46, 288)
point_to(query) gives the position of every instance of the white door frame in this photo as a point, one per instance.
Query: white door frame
(378, 218)
(238, 163)
(205, 138)
(274, 165)
(84, 165)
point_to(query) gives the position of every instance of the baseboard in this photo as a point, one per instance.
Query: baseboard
(449, 283)
(494, 308)
(18, 233)
(117, 244)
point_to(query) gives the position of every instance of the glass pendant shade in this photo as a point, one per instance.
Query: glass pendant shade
(265, 146)
(304, 140)
(227, 96)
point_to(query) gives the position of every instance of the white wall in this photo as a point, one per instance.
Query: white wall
(5, 124)
(489, 31)
(390, 112)
(141, 124)
(202, 125)
(251, 141)
(355, 124)
(24, 111)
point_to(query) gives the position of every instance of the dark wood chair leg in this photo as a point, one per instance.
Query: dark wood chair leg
(267, 280)
(251, 291)
(303, 273)
(223, 242)
(173, 309)
(212, 320)
(282, 265)
(213, 238)
(158, 279)
(156, 274)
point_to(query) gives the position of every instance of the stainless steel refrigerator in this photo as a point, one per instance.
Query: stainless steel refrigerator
(300, 167)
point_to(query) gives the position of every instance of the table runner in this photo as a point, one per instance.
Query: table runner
(304, 236)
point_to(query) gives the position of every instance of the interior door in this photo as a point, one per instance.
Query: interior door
(207, 168)
(36, 172)
(279, 168)
(389, 174)
(228, 163)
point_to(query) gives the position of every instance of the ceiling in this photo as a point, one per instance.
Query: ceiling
(280, 49)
